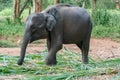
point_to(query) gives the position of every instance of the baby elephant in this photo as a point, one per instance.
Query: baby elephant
(59, 24)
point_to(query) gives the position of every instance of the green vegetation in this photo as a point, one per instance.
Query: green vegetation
(106, 32)
(68, 67)
(106, 24)
(105, 21)
(7, 44)
(5, 4)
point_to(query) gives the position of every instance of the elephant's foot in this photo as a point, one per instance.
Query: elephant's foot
(51, 62)
(85, 60)
(20, 62)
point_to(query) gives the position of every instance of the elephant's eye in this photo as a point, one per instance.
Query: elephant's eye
(33, 28)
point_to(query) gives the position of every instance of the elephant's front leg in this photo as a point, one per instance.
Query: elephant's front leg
(48, 44)
(56, 45)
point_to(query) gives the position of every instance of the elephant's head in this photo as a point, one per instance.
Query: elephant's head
(37, 27)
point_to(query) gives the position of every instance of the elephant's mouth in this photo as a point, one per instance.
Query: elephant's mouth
(31, 40)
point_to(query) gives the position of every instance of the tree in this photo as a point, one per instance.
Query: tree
(94, 3)
(37, 5)
(117, 4)
(56, 1)
(17, 10)
(23, 7)
(16, 6)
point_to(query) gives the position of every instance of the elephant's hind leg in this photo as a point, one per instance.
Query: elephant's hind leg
(84, 46)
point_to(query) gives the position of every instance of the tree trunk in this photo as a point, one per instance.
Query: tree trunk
(16, 6)
(25, 3)
(94, 3)
(37, 6)
(117, 4)
(83, 4)
(29, 10)
(57, 1)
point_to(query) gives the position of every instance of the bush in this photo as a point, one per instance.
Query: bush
(77, 2)
(5, 4)
(108, 4)
(115, 18)
(101, 17)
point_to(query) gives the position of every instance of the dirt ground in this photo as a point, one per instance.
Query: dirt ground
(99, 49)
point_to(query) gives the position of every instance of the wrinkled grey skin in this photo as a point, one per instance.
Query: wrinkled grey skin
(60, 24)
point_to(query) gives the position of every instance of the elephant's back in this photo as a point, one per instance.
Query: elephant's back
(74, 11)
(75, 24)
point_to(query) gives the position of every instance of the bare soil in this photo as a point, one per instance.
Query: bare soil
(99, 49)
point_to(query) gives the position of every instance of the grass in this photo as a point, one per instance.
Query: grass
(6, 12)
(106, 32)
(6, 44)
(69, 67)
(11, 29)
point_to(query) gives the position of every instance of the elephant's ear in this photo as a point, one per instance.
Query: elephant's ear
(51, 22)
(53, 11)
(52, 18)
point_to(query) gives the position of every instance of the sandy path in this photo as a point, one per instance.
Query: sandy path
(99, 48)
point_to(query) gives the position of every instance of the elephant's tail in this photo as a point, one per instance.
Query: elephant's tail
(90, 27)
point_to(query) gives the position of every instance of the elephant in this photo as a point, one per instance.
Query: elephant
(59, 24)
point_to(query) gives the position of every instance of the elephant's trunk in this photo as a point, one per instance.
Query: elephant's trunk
(25, 42)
